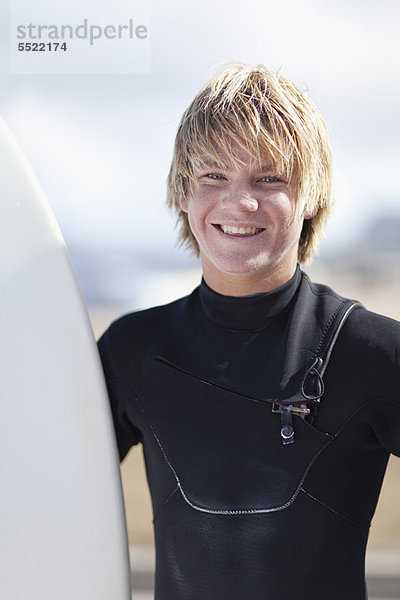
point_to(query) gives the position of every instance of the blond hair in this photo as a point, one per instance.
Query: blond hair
(266, 115)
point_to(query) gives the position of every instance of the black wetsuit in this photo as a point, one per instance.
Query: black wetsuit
(239, 515)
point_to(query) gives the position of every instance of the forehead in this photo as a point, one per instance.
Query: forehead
(230, 152)
(237, 159)
(251, 165)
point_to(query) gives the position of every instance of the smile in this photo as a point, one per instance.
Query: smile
(232, 230)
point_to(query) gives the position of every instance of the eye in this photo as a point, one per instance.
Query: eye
(270, 179)
(214, 176)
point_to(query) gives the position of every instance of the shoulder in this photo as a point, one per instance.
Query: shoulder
(378, 334)
(136, 331)
(366, 355)
(141, 320)
(367, 352)
(362, 327)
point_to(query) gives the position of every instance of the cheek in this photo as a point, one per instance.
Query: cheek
(195, 217)
(282, 209)
(199, 207)
(192, 222)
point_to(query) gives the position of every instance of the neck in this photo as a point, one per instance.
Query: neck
(229, 284)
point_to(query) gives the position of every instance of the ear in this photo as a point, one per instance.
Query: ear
(184, 205)
(309, 213)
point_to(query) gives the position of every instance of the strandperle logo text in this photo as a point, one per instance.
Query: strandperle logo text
(83, 31)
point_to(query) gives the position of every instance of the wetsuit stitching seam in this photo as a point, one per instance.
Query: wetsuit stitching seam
(332, 317)
(257, 510)
(130, 390)
(333, 510)
(245, 511)
(327, 327)
(359, 409)
(336, 435)
(165, 502)
(216, 511)
(155, 435)
(235, 511)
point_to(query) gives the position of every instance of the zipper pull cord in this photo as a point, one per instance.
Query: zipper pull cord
(314, 372)
(286, 410)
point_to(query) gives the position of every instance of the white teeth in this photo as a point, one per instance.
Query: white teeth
(240, 230)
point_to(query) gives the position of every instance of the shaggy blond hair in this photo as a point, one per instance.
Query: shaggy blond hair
(266, 115)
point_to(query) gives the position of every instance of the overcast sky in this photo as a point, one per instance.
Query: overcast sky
(101, 144)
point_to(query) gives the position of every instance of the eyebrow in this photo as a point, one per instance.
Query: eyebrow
(214, 165)
(268, 167)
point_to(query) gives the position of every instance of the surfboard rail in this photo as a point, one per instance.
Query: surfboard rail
(62, 523)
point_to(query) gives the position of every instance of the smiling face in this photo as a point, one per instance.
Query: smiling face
(247, 222)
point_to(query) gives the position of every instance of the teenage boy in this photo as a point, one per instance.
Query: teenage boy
(267, 405)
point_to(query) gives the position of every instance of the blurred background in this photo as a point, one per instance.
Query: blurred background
(101, 145)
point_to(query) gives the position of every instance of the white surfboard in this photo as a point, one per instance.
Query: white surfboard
(62, 526)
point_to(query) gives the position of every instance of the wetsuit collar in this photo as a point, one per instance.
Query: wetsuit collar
(247, 312)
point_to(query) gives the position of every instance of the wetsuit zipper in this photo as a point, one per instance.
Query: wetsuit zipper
(272, 402)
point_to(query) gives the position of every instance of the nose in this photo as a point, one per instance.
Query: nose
(241, 199)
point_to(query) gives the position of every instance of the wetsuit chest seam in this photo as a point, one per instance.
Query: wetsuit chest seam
(359, 409)
(204, 509)
(153, 431)
(333, 510)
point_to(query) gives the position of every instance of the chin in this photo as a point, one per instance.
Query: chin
(237, 267)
